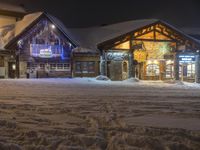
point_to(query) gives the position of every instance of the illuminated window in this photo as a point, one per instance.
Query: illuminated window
(152, 70)
(191, 70)
(169, 71)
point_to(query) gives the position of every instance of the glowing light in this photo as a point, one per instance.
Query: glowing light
(13, 67)
(155, 61)
(53, 26)
(169, 62)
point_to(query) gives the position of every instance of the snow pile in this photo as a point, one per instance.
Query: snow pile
(132, 80)
(102, 78)
(176, 82)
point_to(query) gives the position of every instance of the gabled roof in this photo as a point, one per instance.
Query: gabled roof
(22, 26)
(89, 38)
(92, 37)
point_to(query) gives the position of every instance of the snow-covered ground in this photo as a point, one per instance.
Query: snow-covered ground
(86, 114)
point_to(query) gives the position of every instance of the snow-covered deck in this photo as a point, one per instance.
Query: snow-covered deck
(83, 113)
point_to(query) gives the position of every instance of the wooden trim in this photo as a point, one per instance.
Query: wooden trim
(152, 40)
(180, 37)
(109, 42)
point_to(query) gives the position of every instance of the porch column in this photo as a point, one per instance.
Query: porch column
(176, 66)
(130, 65)
(102, 65)
(197, 68)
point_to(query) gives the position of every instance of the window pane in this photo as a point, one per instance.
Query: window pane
(91, 67)
(59, 66)
(78, 67)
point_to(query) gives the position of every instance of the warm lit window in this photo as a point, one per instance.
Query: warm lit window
(153, 70)
(191, 70)
(169, 71)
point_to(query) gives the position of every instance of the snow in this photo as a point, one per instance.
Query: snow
(20, 26)
(11, 7)
(85, 113)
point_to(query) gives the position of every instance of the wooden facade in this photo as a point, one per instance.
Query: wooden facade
(85, 65)
(42, 50)
(155, 51)
(162, 44)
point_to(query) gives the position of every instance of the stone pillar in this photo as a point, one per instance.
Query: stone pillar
(197, 68)
(130, 64)
(102, 65)
(176, 66)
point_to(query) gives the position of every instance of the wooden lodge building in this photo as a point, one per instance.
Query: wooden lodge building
(146, 49)
(9, 15)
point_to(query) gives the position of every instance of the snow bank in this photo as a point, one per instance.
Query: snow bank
(102, 78)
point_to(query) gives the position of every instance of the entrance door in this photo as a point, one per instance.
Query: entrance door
(11, 70)
(115, 70)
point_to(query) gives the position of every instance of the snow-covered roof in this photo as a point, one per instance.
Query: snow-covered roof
(91, 37)
(13, 30)
(23, 25)
(84, 50)
(11, 7)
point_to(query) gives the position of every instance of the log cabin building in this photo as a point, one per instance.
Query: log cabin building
(9, 15)
(147, 49)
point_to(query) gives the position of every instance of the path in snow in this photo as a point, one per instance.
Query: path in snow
(62, 114)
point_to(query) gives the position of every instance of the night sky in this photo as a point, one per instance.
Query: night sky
(181, 13)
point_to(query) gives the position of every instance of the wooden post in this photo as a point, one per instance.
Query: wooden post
(102, 64)
(197, 68)
(176, 66)
(17, 71)
(130, 64)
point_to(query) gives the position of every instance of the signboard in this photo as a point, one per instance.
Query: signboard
(46, 51)
(118, 56)
(186, 58)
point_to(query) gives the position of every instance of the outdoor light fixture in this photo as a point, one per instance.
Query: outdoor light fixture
(14, 67)
(53, 26)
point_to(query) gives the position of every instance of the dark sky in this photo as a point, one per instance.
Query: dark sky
(181, 13)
